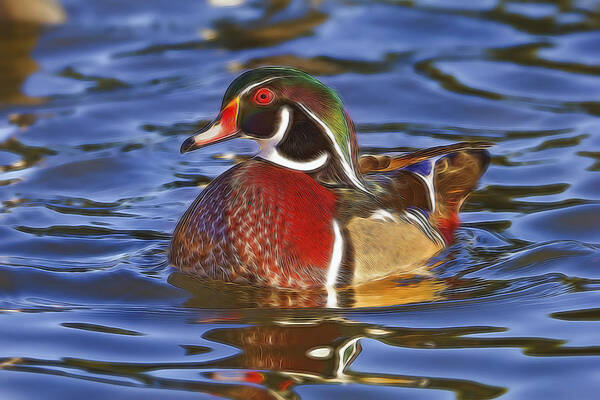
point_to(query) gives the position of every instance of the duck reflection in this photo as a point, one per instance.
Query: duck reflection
(300, 348)
(283, 351)
(284, 355)
(289, 352)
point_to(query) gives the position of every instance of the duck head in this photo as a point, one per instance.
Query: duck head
(298, 122)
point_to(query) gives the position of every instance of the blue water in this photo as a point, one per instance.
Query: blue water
(93, 111)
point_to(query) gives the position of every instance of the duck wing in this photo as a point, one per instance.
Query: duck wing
(384, 163)
(434, 182)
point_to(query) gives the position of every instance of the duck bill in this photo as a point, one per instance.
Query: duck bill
(224, 127)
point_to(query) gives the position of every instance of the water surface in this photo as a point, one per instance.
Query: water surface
(92, 115)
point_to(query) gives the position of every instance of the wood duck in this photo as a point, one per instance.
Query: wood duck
(307, 211)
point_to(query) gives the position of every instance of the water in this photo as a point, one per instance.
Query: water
(94, 111)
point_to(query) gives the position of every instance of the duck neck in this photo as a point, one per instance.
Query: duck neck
(300, 145)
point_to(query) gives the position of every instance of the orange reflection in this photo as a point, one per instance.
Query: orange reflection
(20, 29)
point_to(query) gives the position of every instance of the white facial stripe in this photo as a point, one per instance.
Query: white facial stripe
(285, 119)
(347, 168)
(269, 152)
(250, 87)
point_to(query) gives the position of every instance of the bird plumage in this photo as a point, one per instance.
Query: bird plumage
(307, 211)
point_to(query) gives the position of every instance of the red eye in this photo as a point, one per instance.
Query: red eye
(263, 96)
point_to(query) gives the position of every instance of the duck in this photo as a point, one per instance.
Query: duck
(308, 211)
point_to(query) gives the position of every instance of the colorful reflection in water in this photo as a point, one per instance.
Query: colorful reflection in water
(95, 99)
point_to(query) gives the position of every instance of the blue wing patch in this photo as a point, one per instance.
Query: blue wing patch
(424, 170)
(421, 168)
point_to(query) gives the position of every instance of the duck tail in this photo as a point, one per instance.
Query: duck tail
(455, 177)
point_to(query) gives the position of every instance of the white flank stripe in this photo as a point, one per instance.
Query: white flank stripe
(334, 266)
(269, 152)
(347, 167)
(332, 297)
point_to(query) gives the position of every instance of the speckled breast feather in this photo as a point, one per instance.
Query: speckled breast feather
(258, 223)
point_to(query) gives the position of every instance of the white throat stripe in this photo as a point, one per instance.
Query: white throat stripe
(269, 151)
(347, 168)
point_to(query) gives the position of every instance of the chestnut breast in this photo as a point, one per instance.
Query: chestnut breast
(258, 223)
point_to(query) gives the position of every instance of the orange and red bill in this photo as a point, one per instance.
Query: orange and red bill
(222, 128)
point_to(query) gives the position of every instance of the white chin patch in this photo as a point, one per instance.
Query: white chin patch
(269, 151)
